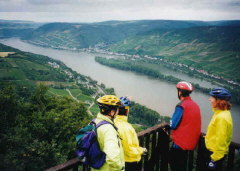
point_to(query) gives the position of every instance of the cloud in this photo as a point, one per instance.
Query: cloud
(99, 10)
(49, 1)
(77, 5)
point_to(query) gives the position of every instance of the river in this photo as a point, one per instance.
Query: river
(155, 94)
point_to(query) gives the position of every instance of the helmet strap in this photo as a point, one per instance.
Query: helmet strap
(179, 96)
(112, 115)
(123, 111)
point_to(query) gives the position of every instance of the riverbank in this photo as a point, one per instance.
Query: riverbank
(158, 95)
(142, 68)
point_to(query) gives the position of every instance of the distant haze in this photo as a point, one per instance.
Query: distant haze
(102, 10)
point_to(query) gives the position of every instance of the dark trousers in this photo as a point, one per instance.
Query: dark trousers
(206, 159)
(133, 166)
(178, 159)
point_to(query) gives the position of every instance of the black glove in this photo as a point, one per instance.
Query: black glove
(167, 127)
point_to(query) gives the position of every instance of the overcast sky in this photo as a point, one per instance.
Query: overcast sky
(102, 10)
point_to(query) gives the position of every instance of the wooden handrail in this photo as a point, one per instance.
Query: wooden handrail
(157, 143)
(149, 130)
(65, 166)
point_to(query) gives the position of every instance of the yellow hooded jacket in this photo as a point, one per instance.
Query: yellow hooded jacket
(110, 143)
(219, 134)
(132, 150)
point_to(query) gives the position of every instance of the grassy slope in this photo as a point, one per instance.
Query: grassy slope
(29, 70)
(76, 35)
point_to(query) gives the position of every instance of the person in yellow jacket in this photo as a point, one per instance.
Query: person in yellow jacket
(219, 132)
(132, 150)
(108, 137)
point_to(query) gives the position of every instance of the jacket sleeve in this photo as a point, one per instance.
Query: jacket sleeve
(221, 139)
(112, 149)
(130, 143)
(176, 118)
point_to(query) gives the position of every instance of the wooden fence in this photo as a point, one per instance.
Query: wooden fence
(157, 143)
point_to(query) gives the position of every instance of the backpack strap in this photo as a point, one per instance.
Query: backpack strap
(102, 123)
(106, 122)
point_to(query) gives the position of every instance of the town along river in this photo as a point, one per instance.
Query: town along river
(155, 94)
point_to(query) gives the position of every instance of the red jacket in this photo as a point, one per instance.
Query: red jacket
(188, 132)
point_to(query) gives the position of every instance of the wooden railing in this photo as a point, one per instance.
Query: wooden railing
(157, 143)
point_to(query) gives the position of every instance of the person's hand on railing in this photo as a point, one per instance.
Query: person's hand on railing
(144, 152)
(166, 128)
(212, 165)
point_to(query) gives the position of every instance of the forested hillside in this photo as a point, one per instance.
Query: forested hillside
(43, 103)
(38, 123)
(84, 35)
(14, 28)
(213, 49)
(210, 46)
(37, 130)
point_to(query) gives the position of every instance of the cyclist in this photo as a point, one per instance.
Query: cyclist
(132, 150)
(219, 132)
(186, 127)
(107, 134)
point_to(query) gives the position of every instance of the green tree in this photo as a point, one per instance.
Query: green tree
(44, 131)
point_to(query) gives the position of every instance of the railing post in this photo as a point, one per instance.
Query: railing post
(230, 160)
(164, 149)
(158, 150)
(140, 163)
(152, 160)
(190, 160)
(147, 147)
(200, 155)
(86, 168)
(75, 168)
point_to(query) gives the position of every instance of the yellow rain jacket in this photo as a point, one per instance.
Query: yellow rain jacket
(219, 134)
(132, 151)
(110, 143)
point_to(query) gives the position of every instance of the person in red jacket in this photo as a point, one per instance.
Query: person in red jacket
(186, 127)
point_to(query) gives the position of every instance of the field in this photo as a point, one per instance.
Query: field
(28, 70)
(59, 92)
(5, 54)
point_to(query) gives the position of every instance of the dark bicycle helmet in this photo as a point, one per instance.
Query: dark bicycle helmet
(220, 93)
(125, 101)
(123, 110)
